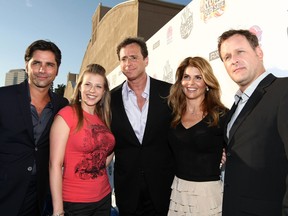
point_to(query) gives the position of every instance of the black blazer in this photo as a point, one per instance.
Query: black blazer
(257, 152)
(153, 158)
(18, 150)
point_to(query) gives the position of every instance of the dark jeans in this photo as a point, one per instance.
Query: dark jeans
(100, 208)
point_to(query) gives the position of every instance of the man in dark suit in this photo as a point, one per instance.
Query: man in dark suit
(143, 171)
(257, 133)
(26, 115)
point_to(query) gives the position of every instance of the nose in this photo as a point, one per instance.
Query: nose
(92, 89)
(190, 81)
(235, 61)
(128, 62)
(41, 68)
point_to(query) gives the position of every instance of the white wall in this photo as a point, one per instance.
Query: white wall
(195, 30)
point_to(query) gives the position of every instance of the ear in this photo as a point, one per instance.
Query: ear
(259, 52)
(26, 67)
(146, 61)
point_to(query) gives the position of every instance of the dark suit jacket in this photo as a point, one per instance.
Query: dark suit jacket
(18, 150)
(153, 157)
(257, 152)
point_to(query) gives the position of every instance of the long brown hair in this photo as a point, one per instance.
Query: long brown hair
(102, 108)
(211, 105)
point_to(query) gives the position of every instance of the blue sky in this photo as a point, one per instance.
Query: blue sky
(67, 23)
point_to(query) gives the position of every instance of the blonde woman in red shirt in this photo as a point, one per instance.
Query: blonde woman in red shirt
(81, 147)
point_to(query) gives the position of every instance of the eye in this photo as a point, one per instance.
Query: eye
(52, 65)
(35, 63)
(123, 59)
(87, 85)
(185, 77)
(226, 58)
(133, 58)
(198, 77)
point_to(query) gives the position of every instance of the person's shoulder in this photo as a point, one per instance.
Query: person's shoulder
(159, 82)
(6, 90)
(59, 98)
(282, 84)
(67, 110)
(282, 79)
(117, 89)
(160, 85)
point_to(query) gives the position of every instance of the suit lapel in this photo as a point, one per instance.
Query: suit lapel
(151, 109)
(229, 116)
(24, 104)
(155, 108)
(251, 103)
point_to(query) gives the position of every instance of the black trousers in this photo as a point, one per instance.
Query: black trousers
(145, 205)
(30, 204)
(100, 208)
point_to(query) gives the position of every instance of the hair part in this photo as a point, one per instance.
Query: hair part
(211, 104)
(43, 45)
(133, 40)
(102, 108)
(251, 38)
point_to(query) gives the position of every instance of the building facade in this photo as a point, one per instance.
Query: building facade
(15, 76)
(142, 18)
(134, 18)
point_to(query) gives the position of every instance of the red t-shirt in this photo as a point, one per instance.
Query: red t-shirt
(85, 177)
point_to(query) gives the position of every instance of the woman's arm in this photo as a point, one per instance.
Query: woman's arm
(59, 134)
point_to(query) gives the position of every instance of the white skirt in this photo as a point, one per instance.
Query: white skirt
(189, 198)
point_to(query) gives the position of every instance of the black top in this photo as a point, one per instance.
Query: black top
(198, 150)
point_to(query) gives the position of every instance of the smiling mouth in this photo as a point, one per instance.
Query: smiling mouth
(42, 78)
(91, 96)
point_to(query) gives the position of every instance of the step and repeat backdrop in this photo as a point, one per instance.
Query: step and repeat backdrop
(194, 31)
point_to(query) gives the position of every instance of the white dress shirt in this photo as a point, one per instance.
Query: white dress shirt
(136, 116)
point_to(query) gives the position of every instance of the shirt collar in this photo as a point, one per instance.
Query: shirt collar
(145, 94)
(248, 92)
(50, 104)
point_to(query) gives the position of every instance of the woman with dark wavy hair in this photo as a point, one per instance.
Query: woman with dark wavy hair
(196, 139)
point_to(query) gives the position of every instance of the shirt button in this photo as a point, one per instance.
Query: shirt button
(228, 154)
(36, 149)
(29, 169)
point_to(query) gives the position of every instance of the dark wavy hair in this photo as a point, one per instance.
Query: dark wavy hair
(130, 40)
(211, 105)
(44, 46)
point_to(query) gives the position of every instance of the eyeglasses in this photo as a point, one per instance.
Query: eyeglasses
(131, 58)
